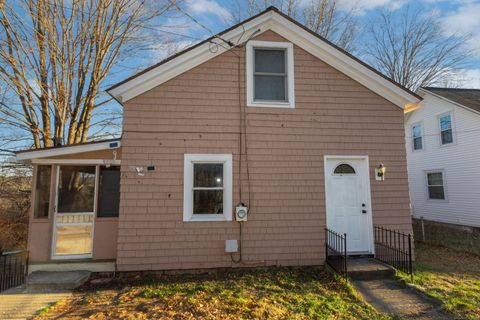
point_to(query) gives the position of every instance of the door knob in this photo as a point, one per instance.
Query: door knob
(364, 211)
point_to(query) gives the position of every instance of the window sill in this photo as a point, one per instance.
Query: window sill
(258, 104)
(446, 145)
(206, 218)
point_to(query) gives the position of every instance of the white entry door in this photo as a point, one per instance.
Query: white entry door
(74, 211)
(347, 194)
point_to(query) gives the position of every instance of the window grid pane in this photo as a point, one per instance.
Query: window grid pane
(435, 185)
(109, 192)
(208, 202)
(435, 179)
(447, 136)
(270, 88)
(208, 188)
(270, 61)
(446, 129)
(436, 193)
(417, 143)
(445, 122)
(270, 75)
(76, 189)
(208, 175)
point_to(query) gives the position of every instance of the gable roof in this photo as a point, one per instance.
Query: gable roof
(293, 31)
(469, 98)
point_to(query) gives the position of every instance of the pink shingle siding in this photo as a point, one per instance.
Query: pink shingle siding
(199, 112)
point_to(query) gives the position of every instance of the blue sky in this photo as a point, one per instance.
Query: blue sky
(457, 16)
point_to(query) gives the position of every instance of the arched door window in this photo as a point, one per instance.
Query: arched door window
(344, 169)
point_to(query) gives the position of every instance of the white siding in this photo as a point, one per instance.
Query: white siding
(460, 162)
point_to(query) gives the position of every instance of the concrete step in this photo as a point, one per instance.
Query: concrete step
(56, 280)
(367, 269)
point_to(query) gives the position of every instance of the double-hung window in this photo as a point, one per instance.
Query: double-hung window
(270, 81)
(417, 136)
(436, 185)
(207, 187)
(446, 132)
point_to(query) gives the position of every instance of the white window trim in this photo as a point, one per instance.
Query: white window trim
(442, 171)
(452, 119)
(422, 136)
(189, 160)
(251, 45)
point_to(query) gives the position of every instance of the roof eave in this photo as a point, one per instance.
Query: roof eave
(26, 156)
(292, 31)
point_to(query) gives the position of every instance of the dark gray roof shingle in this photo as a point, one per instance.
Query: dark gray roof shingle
(469, 98)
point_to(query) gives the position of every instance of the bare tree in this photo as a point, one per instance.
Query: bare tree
(55, 56)
(321, 16)
(409, 47)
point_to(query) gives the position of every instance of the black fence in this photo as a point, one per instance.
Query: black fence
(394, 248)
(336, 251)
(13, 269)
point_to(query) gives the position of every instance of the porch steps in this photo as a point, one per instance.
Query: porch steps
(367, 269)
(56, 280)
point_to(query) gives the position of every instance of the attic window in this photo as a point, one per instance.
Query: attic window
(270, 80)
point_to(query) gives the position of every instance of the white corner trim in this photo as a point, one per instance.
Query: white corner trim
(269, 21)
(53, 152)
(189, 160)
(251, 45)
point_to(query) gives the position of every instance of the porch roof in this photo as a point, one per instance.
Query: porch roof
(26, 156)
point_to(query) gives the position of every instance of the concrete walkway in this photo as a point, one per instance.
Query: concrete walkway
(392, 297)
(42, 289)
(20, 303)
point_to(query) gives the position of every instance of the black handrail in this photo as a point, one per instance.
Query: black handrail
(336, 251)
(13, 269)
(394, 248)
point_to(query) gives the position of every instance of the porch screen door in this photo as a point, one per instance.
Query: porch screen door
(74, 212)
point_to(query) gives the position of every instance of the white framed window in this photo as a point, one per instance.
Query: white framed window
(435, 184)
(270, 75)
(417, 136)
(445, 122)
(207, 194)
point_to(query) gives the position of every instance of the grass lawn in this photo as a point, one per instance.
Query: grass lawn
(277, 293)
(451, 276)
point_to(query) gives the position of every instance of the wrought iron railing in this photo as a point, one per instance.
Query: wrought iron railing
(336, 251)
(13, 269)
(394, 248)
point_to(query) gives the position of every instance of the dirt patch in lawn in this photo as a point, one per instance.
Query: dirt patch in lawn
(277, 293)
(451, 276)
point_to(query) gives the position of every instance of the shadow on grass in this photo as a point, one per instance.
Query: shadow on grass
(273, 293)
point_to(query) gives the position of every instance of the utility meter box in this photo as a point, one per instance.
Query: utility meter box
(241, 213)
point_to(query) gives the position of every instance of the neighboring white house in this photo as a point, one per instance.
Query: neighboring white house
(443, 148)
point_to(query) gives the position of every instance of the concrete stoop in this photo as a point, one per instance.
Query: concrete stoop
(56, 280)
(367, 269)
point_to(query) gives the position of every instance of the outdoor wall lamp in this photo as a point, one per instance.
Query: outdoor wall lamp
(380, 172)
